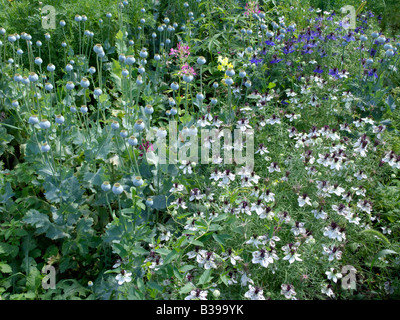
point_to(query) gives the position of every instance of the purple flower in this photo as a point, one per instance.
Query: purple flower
(270, 43)
(318, 70)
(275, 59)
(256, 61)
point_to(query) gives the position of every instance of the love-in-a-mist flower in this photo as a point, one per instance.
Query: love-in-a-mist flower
(254, 293)
(124, 277)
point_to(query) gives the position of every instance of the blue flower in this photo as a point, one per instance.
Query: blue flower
(318, 70)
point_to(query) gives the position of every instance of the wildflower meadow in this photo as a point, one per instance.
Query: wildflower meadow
(199, 150)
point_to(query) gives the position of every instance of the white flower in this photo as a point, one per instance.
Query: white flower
(264, 258)
(124, 277)
(333, 276)
(254, 293)
(197, 294)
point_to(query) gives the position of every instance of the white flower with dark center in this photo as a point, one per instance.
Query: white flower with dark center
(332, 252)
(274, 167)
(320, 214)
(206, 260)
(360, 175)
(179, 203)
(231, 256)
(364, 205)
(291, 252)
(328, 291)
(303, 200)
(254, 293)
(267, 196)
(264, 258)
(124, 277)
(333, 231)
(298, 228)
(195, 194)
(333, 276)
(336, 189)
(197, 294)
(288, 291)
(177, 188)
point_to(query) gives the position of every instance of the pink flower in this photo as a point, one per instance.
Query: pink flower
(186, 70)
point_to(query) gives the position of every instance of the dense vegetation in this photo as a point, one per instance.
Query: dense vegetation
(86, 107)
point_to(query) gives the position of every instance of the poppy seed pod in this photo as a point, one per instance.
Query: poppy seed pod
(97, 92)
(117, 189)
(138, 181)
(62, 23)
(187, 78)
(390, 53)
(60, 119)
(69, 67)
(85, 83)
(25, 80)
(78, 18)
(48, 86)
(200, 96)
(33, 77)
(15, 103)
(214, 101)
(130, 60)
(92, 70)
(39, 43)
(229, 81)
(230, 72)
(44, 124)
(33, 120)
(174, 86)
(47, 36)
(123, 134)
(115, 125)
(374, 35)
(173, 111)
(157, 57)
(38, 61)
(215, 85)
(171, 101)
(148, 109)
(161, 133)
(149, 202)
(84, 109)
(45, 147)
(51, 67)
(139, 80)
(70, 85)
(98, 48)
(381, 39)
(141, 70)
(72, 109)
(106, 186)
(242, 73)
(139, 125)
(125, 73)
(132, 141)
(201, 60)
(363, 38)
